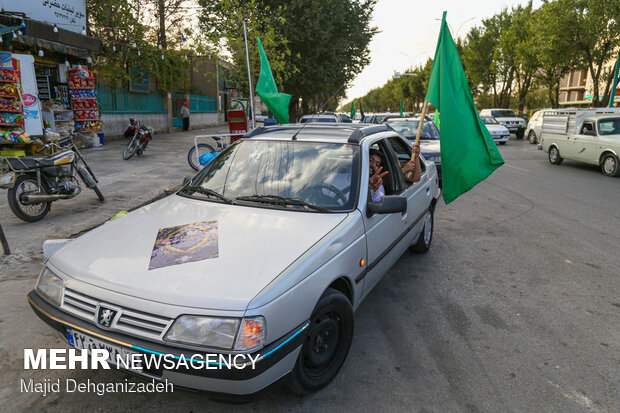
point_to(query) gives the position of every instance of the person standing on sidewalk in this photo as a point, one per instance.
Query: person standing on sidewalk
(185, 116)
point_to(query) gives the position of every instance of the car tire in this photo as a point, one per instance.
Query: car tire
(327, 343)
(610, 165)
(28, 213)
(532, 137)
(423, 243)
(554, 156)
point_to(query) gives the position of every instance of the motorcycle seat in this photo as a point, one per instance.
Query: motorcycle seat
(30, 162)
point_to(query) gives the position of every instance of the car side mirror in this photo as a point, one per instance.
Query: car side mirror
(391, 204)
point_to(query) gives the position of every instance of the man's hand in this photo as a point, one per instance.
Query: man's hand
(376, 180)
(410, 167)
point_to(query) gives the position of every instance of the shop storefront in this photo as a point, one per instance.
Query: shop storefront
(46, 88)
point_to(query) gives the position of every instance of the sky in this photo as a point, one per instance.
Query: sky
(409, 31)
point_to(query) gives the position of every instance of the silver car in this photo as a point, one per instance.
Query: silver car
(264, 254)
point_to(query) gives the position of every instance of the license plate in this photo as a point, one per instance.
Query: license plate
(80, 340)
(7, 178)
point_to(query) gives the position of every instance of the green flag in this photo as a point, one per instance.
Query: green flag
(401, 108)
(468, 153)
(352, 110)
(361, 112)
(266, 88)
(437, 120)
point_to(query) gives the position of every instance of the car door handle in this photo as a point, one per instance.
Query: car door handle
(428, 190)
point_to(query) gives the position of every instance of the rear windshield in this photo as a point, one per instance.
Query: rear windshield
(409, 129)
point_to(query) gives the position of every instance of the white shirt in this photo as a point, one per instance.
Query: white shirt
(185, 112)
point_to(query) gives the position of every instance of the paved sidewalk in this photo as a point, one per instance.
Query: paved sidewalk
(125, 185)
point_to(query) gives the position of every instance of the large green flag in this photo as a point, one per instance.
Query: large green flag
(468, 153)
(266, 88)
(352, 110)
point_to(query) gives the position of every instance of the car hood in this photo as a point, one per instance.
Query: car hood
(496, 129)
(511, 119)
(245, 248)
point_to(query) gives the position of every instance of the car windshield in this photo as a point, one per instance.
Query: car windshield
(489, 120)
(409, 129)
(282, 174)
(503, 113)
(609, 126)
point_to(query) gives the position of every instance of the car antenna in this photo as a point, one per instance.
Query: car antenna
(294, 138)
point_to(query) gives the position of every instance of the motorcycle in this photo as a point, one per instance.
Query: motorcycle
(35, 182)
(137, 145)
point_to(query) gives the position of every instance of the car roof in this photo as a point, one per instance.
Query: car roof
(318, 132)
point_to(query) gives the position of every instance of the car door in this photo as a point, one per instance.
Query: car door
(389, 235)
(584, 144)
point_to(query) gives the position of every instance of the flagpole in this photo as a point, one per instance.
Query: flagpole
(247, 58)
(417, 137)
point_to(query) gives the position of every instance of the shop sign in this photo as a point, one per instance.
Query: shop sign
(67, 14)
(588, 94)
(29, 99)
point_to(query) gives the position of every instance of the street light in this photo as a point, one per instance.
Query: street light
(397, 75)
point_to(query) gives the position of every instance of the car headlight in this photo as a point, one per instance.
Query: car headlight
(218, 332)
(50, 286)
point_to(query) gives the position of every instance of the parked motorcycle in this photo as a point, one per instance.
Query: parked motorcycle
(35, 182)
(140, 139)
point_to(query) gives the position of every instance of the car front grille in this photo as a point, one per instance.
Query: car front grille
(130, 321)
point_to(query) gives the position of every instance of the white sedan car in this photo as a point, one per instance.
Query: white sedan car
(499, 133)
(262, 256)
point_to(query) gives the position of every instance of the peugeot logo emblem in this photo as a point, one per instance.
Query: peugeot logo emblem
(105, 316)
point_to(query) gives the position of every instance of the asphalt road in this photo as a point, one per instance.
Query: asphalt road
(516, 307)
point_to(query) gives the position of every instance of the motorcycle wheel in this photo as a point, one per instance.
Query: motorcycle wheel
(99, 194)
(191, 155)
(130, 149)
(24, 184)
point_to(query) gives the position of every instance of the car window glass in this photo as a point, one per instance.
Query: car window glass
(319, 173)
(609, 126)
(409, 129)
(587, 128)
(403, 152)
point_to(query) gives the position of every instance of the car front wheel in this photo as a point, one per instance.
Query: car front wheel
(610, 165)
(554, 156)
(425, 238)
(532, 137)
(327, 343)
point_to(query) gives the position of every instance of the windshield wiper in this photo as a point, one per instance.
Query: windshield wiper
(281, 200)
(207, 191)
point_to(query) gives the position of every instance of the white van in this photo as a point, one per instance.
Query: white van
(591, 136)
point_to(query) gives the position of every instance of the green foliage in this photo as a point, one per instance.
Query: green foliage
(118, 23)
(314, 47)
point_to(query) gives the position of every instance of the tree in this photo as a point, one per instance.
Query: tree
(592, 27)
(521, 35)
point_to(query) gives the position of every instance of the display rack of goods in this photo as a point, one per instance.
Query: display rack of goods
(11, 108)
(88, 126)
(62, 94)
(83, 97)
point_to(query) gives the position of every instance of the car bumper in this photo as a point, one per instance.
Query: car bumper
(515, 129)
(276, 360)
(503, 138)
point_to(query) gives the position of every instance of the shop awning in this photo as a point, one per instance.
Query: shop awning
(51, 46)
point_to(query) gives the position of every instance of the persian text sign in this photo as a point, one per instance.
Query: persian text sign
(67, 14)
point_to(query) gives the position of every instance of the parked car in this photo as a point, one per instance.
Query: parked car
(429, 137)
(320, 117)
(499, 133)
(534, 127)
(507, 118)
(302, 244)
(261, 116)
(590, 136)
(345, 118)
